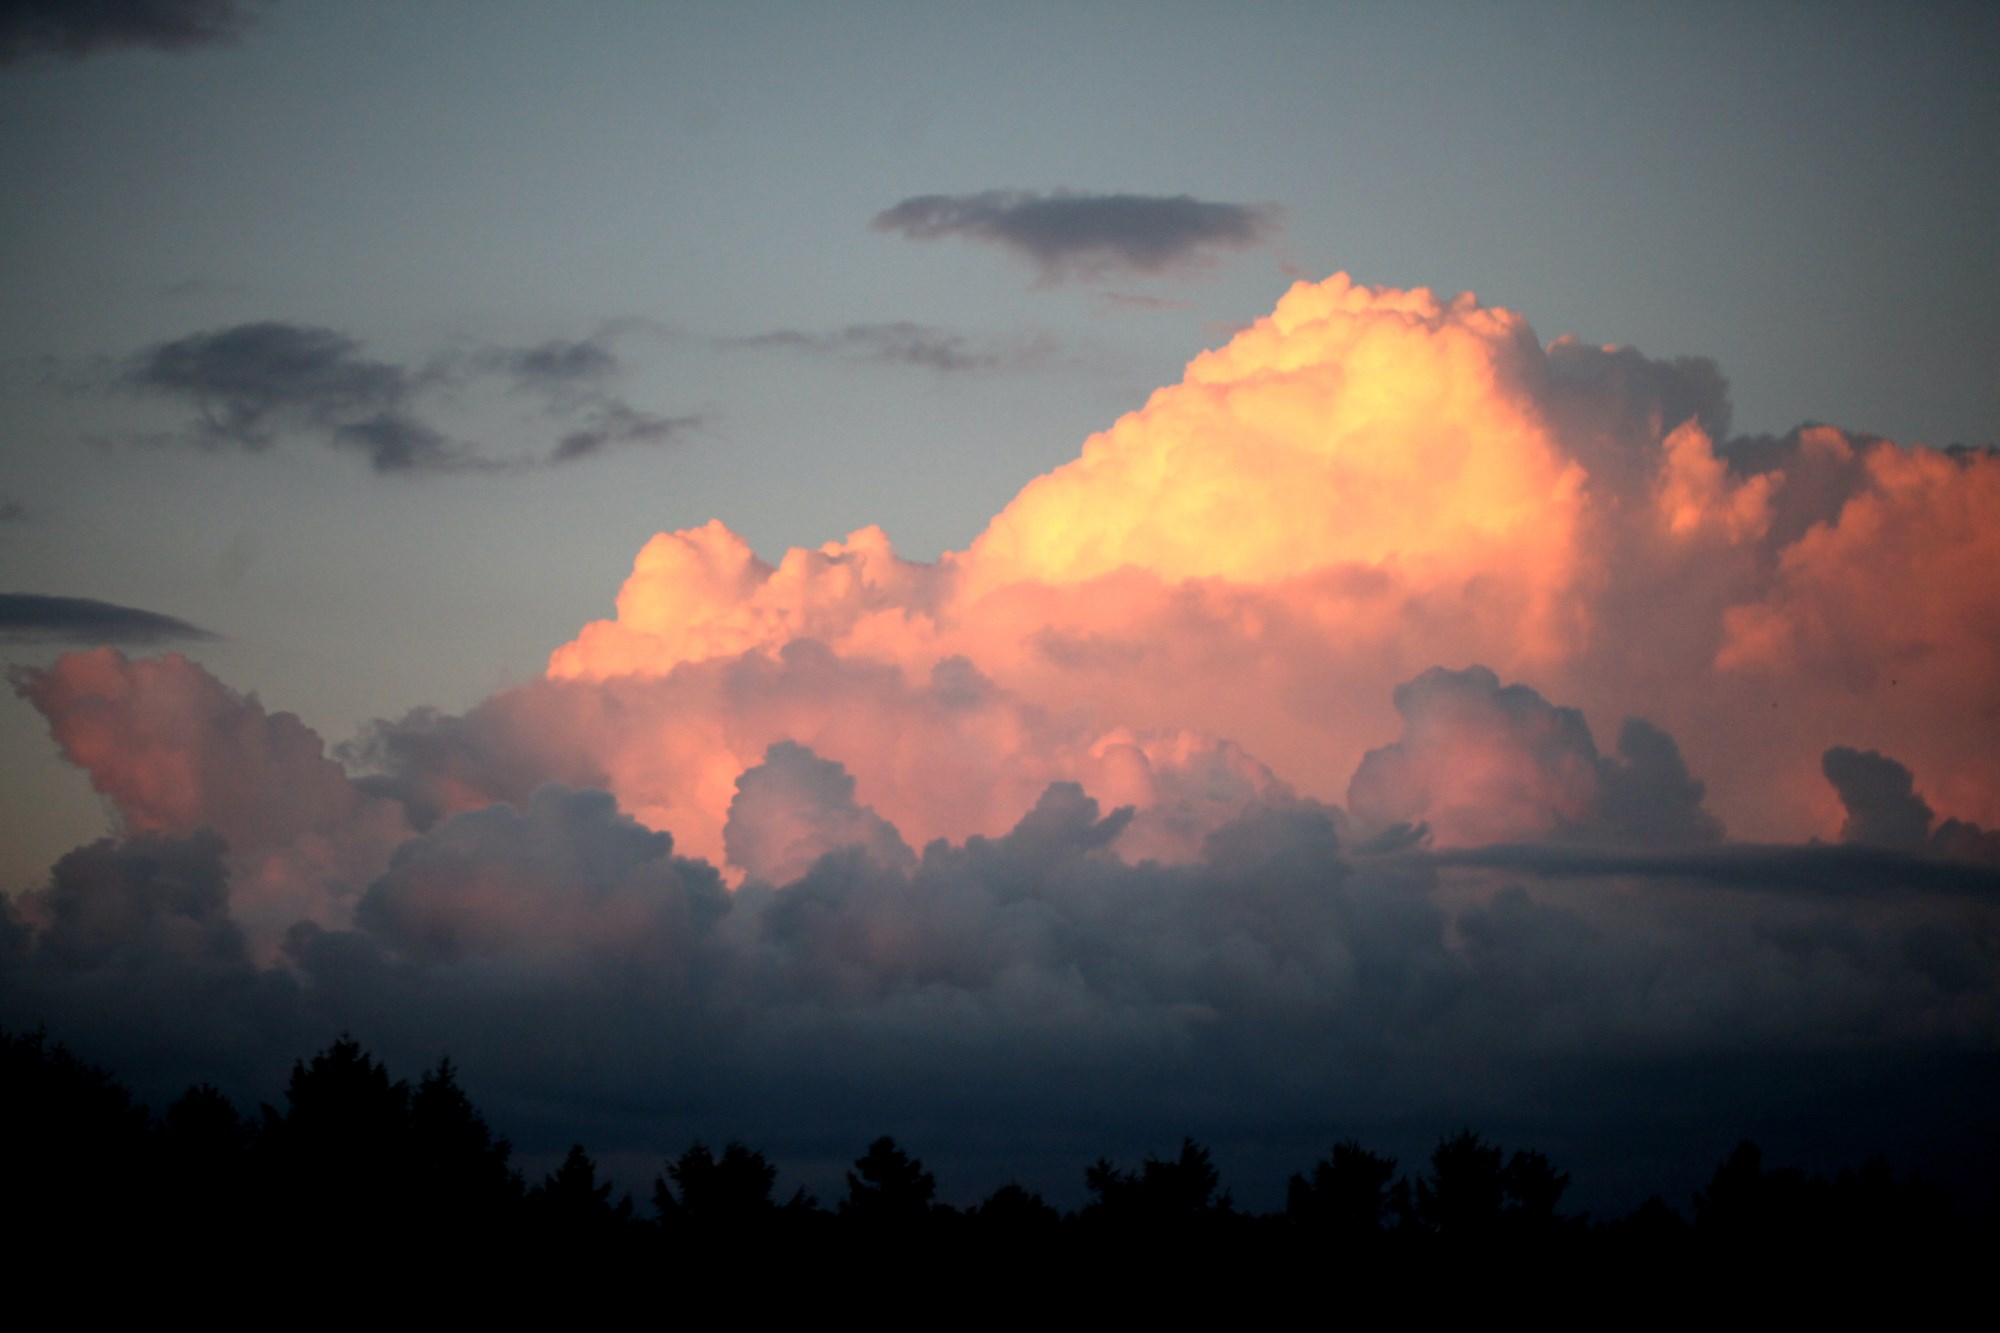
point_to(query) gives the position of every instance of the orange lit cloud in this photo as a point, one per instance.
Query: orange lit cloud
(1381, 548)
(175, 752)
(1358, 487)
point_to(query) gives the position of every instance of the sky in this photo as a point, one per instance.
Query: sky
(1057, 576)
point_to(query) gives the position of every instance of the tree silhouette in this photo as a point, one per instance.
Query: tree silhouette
(1347, 1195)
(1013, 1211)
(1164, 1193)
(202, 1155)
(888, 1187)
(338, 1159)
(460, 1171)
(1463, 1195)
(571, 1204)
(77, 1138)
(732, 1192)
(1533, 1188)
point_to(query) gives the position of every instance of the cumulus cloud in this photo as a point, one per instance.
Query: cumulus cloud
(252, 384)
(175, 752)
(1368, 483)
(72, 30)
(1244, 772)
(1483, 763)
(1074, 235)
(25, 615)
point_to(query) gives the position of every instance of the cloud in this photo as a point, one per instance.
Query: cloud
(557, 366)
(1241, 778)
(900, 343)
(794, 808)
(82, 620)
(253, 383)
(1883, 808)
(175, 752)
(1268, 989)
(611, 424)
(1071, 235)
(1479, 763)
(72, 30)
(13, 511)
(1368, 483)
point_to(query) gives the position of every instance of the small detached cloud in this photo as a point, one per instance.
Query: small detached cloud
(1087, 236)
(13, 511)
(250, 384)
(74, 29)
(26, 615)
(901, 343)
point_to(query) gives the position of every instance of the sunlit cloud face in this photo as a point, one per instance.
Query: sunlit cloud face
(1369, 483)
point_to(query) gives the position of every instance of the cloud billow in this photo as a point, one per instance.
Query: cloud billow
(74, 29)
(1074, 235)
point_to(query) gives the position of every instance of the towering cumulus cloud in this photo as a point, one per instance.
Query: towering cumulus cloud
(1360, 726)
(1362, 486)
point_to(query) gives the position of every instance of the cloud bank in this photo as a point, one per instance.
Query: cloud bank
(1072, 235)
(1244, 777)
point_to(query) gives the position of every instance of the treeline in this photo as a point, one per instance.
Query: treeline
(354, 1153)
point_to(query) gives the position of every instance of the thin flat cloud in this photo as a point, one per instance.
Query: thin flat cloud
(26, 615)
(252, 384)
(74, 29)
(1073, 235)
(899, 342)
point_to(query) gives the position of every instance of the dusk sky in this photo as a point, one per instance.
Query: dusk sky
(1267, 571)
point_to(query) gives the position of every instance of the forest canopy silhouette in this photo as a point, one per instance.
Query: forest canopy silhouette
(355, 1152)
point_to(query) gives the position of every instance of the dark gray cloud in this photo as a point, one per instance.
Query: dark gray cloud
(1031, 999)
(251, 384)
(13, 511)
(611, 424)
(1816, 870)
(1068, 235)
(73, 29)
(1883, 808)
(1272, 995)
(25, 615)
(556, 366)
(901, 342)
